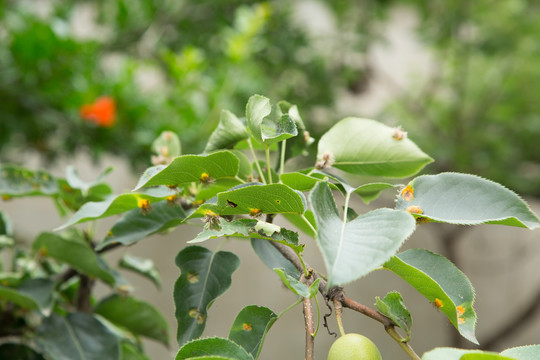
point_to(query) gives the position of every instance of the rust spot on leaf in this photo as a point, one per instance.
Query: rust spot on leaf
(197, 315)
(256, 213)
(144, 205)
(247, 327)
(438, 303)
(414, 210)
(407, 193)
(193, 277)
(460, 310)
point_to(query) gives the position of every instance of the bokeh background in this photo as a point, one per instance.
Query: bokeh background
(462, 77)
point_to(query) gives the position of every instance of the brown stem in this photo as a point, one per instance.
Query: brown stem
(83, 302)
(310, 329)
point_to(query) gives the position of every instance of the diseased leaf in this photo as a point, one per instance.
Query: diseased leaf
(229, 131)
(144, 267)
(465, 199)
(530, 352)
(367, 147)
(19, 181)
(204, 277)
(278, 128)
(393, 307)
(186, 169)
(442, 283)
(212, 348)
(135, 315)
(137, 224)
(166, 146)
(78, 336)
(250, 328)
(296, 286)
(256, 200)
(78, 255)
(352, 250)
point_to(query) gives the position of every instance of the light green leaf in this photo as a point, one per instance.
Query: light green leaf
(78, 336)
(18, 181)
(250, 228)
(258, 107)
(371, 191)
(367, 147)
(465, 199)
(245, 169)
(461, 354)
(296, 286)
(136, 224)
(34, 294)
(276, 130)
(256, 200)
(442, 283)
(75, 182)
(144, 267)
(205, 275)
(300, 222)
(113, 206)
(131, 352)
(229, 131)
(135, 315)
(167, 146)
(297, 145)
(250, 328)
(352, 250)
(530, 352)
(191, 168)
(78, 255)
(302, 182)
(6, 228)
(212, 348)
(272, 258)
(393, 307)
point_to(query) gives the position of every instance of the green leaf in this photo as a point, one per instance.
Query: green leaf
(352, 250)
(212, 348)
(136, 224)
(131, 352)
(18, 181)
(393, 307)
(462, 354)
(258, 107)
(75, 182)
(33, 294)
(250, 228)
(144, 267)
(166, 146)
(530, 352)
(135, 315)
(272, 258)
(205, 275)
(229, 131)
(78, 255)
(250, 328)
(18, 352)
(191, 168)
(298, 144)
(465, 199)
(274, 130)
(256, 200)
(296, 286)
(442, 283)
(371, 191)
(367, 147)
(6, 228)
(245, 169)
(300, 222)
(113, 206)
(78, 336)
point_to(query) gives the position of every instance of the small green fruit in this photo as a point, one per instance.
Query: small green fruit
(354, 347)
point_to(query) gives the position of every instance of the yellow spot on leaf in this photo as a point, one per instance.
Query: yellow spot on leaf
(205, 178)
(414, 210)
(460, 310)
(461, 320)
(247, 327)
(43, 251)
(193, 277)
(438, 303)
(171, 199)
(255, 212)
(197, 315)
(407, 193)
(144, 205)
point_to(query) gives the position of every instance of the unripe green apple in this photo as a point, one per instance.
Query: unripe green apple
(354, 347)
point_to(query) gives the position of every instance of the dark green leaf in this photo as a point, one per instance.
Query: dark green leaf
(6, 228)
(136, 224)
(442, 283)
(250, 327)
(31, 294)
(18, 352)
(78, 255)
(204, 277)
(144, 267)
(18, 181)
(131, 352)
(135, 315)
(393, 307)
(367, 147)
(191, 168)
(465, 199)
(212, 348)
(352, 250)
(272, 258)
(78, 336)
(296, 286)
(229, 131)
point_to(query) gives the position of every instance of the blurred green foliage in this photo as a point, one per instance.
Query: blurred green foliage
(479, 112)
